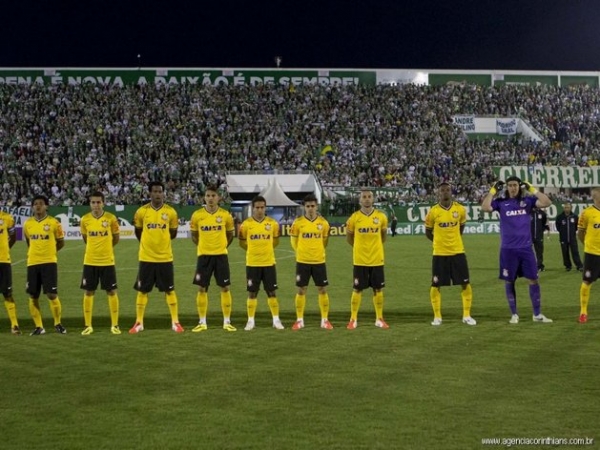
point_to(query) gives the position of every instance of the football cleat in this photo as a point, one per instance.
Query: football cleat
(37, 331)
(352, 325)
(298, 324)
(250, 325)
(229, 327)
(437, 321)
(15, 330)
(200, 327)
(278, 325)
(60, 329)
(326, 324)
(87, 331)
(136, 328)
(177, 328)
(380, 323)
(514, 319)
(582, 318)
(115, 329)
(540, 318)
(469, 320)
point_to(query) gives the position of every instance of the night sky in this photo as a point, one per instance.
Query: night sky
(490, 35)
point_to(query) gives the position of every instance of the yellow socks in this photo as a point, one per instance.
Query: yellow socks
(323, 305)
(140, 307)
(34, 310)
(9, 304)
(56, 309)
(378, 304)
(584, 297)
(300, 302)
(171, 299)
(113, 306)
(436, 302)
(355, 305)
(251, 305)
(88, 306)
(273, 306)
(202, 305)
(467, 299)
(226, 305)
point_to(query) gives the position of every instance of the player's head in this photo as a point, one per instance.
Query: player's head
(211, 196)
(596, 194)
(513, 187)
(39, 205)
(444, 191)
(259, 207)
(157, 192)
(96, 201)
(366, 198)
(310, 205)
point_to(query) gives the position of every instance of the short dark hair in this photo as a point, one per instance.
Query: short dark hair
(513, 178)
(96, 194)
(212, 187)
(155, 183)
(310, 198)
(444, 183)
(40, 197)
(259, 198)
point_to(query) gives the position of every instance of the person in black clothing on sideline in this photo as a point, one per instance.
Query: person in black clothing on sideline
(539, 224)
(566, 224)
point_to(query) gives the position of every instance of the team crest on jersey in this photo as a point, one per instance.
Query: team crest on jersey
(46, 227)
(523, 204)
(376, 221)
(319, 227)
(1, 222)
(268, 227)
(219, 219)
(455, 214)
(164, 216)
(105, 224)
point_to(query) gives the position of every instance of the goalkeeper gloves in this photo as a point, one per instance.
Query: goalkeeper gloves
(528, 187)
(497, 186)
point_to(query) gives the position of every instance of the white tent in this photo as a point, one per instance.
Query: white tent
(274, 195)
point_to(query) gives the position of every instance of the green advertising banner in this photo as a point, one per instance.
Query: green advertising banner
(212, 77)
(529, 80)
(578, 80)
(440, 79)
(552, 176)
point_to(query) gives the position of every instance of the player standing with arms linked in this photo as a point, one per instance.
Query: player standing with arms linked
(588, 232)
(8, 237)
(156, 226)
(366, 232)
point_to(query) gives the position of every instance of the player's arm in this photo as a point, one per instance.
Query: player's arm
(138, 233)
(350, 238)
(429, 233)
(383, 234)
(486, 204)
(84, 237)
(581, 235)
(12, 237)
(325, 239)
(243, 243)
(462, 228)
(60, 243)
(229, 235)
(543, 201)
(173, 233)
(115, 238)
(294, 242)
(195, 237)
(275, 241)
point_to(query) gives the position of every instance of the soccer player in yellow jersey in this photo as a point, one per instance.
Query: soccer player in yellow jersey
(212, 231)
(8, 237)
(588, 232)
(444, 225)
(259, 235)
(309, 237)
(366, 231)
(45, 237)
(156, 226)
(100, 232)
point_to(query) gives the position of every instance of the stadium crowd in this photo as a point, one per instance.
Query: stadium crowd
(66, 141)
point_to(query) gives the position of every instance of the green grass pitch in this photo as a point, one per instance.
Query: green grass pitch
(412, 386)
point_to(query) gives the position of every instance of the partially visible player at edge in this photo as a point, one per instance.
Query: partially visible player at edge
(8, 237)
(588, 232)
(444, 226)
(212, 231)
(100, 232)
(309, 237)
(45, 237)
(156, 226)
(366, 233)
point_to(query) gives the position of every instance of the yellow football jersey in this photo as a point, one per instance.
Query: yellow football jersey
(368, 244)
(7, 227)
(212, 230)
(42, 236)
(156, 225)
(259, 237)
(589, 220)
(445, 224)
(311, 237)
(99, 235)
